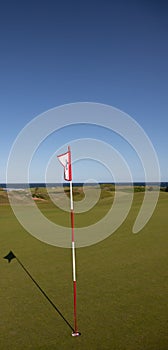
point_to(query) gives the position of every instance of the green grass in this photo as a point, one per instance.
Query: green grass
(122, 284)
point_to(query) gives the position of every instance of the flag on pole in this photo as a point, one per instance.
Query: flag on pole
(65, 160)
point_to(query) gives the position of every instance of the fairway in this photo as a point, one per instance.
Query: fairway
(122, 284)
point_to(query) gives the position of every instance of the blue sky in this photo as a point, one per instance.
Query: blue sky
(53, 53)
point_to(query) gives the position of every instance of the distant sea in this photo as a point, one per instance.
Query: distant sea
(20, 186)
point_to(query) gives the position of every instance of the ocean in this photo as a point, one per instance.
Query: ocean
(21, 186)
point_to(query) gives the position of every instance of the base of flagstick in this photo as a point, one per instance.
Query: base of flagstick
(76, 334)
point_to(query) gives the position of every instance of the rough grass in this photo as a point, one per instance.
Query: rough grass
(122, 286)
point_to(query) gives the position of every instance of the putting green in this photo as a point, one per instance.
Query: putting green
(122, 284)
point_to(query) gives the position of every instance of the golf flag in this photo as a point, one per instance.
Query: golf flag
(65, 160)
(9, 256)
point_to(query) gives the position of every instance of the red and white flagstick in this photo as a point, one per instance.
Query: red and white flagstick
(65, 160)
(75, 333)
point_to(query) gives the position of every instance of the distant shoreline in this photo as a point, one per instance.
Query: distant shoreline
(19, 186)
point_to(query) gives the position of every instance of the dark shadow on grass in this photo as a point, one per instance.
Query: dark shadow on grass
(11, 256)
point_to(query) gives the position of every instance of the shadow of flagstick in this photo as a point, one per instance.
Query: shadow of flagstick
(11, 256)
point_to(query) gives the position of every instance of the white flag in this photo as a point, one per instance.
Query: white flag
(65, 160)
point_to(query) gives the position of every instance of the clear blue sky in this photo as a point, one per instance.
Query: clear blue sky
(111, 52)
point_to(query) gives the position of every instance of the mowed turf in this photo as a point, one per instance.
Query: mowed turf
(122, 285)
